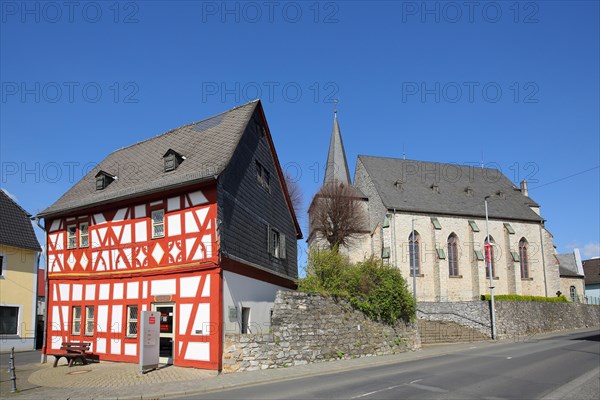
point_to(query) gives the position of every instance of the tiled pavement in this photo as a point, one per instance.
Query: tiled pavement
(107, 380)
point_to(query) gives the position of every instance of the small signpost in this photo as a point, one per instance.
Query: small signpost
(149, 341)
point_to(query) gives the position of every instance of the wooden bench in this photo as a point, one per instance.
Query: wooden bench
(73, 351)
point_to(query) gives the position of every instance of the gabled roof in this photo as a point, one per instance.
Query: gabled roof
(450, 189)
(15, 226)
(336, 170)
(207, 145)
(567, 265)
(591, 269)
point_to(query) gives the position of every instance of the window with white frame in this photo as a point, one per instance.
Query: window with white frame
(158, 223)
(132, 321)
(84, 237)
(71, 236)
(89, 320)
(9, 320)
(76, 328)
(276, 243)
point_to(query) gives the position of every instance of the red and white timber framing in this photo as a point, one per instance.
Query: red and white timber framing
(124, 266)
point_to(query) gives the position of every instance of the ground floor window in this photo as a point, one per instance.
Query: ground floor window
(573, 293)
(132, 321)
(9, 320)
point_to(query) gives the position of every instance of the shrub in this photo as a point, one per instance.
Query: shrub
(376, 289)
(517, 297)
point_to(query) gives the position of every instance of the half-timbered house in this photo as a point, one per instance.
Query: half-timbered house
(195, 223)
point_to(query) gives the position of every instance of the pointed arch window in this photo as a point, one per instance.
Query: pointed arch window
(524, 261)
(489, 258)
(453, 255)
(413, 250)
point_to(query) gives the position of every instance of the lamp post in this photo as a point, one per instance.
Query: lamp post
(414, 265)
(488, 261)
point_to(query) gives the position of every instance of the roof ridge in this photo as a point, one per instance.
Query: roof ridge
(183, 126)
(429, 162)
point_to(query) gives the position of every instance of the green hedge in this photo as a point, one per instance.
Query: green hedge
(516, 297)
(376, 289)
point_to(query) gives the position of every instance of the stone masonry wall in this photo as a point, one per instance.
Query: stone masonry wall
(513, 319)
(309, 328)
(516, 318)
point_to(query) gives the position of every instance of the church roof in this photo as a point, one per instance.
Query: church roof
(450, 189)
(336, 169)
(15, 226)
(568, 265)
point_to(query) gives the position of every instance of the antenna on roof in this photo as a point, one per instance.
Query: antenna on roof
(335, 101)
(403, 152)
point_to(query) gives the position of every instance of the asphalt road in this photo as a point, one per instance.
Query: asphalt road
(561, 367)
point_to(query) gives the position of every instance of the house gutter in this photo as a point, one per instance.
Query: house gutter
(45, 253)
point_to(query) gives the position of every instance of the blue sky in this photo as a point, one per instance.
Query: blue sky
(513, 83)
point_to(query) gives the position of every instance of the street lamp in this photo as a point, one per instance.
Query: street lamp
(488, 261)
(414, 265)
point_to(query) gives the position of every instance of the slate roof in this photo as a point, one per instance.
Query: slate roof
(567, 265)
(336, 170)
(15, 226)
(207, 145)
(448, 189)
(591, 269)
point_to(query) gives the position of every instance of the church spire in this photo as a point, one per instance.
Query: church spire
(336, 170)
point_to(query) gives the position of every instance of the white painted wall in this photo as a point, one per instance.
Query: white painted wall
(240, 291)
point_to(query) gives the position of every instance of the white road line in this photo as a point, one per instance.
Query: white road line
(430, 388)
(385, 389)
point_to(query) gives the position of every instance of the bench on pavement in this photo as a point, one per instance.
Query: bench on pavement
(73, 351)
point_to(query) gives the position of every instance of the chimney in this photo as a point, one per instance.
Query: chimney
(524, 188)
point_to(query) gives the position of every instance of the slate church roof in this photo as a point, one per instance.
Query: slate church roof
(208, 146)
(15, 226)
(447, 189)
(568, 265)
(336, 170)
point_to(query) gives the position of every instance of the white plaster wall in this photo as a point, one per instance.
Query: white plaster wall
(240, 291)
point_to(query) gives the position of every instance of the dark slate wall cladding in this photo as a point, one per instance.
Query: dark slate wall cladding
(246, 208)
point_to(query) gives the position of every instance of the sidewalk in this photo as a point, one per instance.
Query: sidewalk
(108, 380)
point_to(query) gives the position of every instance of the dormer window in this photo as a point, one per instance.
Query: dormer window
(172, 160)
(103, 179)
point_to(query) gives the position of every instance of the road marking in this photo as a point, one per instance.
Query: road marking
(385, 389)
(377, 391)
(508, 358)
(430, 388)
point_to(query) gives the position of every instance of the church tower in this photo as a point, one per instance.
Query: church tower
(336, 170)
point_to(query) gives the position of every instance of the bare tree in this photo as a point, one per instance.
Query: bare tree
(295, 193)
(337, 215)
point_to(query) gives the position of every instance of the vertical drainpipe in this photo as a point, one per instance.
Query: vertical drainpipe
(393, 244)
(543, 259)
(45, 253)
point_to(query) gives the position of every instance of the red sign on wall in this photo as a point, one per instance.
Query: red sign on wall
(152, 320)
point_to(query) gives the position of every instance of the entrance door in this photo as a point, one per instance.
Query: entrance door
(167, 331)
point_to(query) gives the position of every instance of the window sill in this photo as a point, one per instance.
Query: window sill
(158, 237)
(494, 278)
(526, 279)
(418, 275)
(455, 276)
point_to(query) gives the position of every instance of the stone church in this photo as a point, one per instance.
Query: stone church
(428, 218)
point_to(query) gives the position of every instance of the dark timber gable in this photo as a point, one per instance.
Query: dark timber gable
(246, 209)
